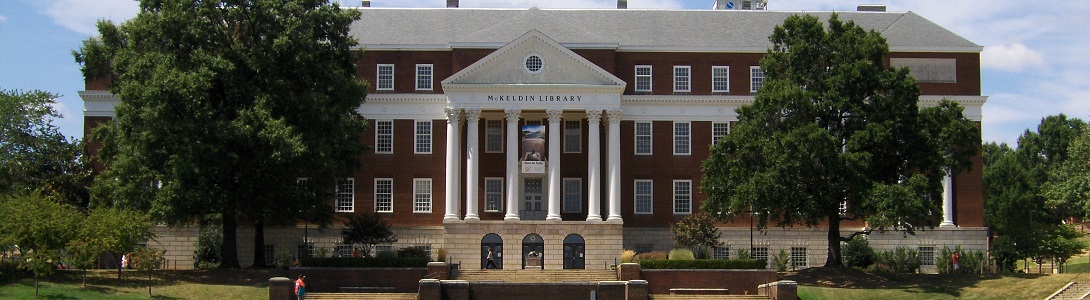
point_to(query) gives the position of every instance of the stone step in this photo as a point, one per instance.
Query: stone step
(535, 275)
(361, 296)
(707, 297)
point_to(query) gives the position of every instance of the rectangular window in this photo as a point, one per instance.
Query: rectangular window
(346, 195)
(643, 196)
(423, 137)
(720, 79)
(493, 135)
(384, 195)
(721, 253)
(342, 251)
(384, 137)
(573, 195)
(682, 79)
(573, 131)
(305, 250)
(422, 195)
(719, 130)
(270, 255)
(760, 253)
(683, 196)
(681, 138)
(798, 257)
(493, 194)
(643, 78)
(927, 255)
(383, 248)
(756, 78)
(425, 248)
(643, 138)
(423, 77)
(385, 77)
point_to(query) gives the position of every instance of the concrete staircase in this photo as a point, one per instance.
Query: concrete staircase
(361, 296)
(1073, 290)
(494, 275)
(707, 297)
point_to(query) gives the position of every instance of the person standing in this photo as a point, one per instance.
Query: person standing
(300, 288)
(954, 257)
(491, 261)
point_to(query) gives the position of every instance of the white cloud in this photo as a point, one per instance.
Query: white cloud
(3, 18)
(1015, 57)
(81, 15)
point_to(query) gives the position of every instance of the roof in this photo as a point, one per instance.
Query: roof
(627, 30)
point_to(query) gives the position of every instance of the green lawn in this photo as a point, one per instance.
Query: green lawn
(1011, 286)
(103, 284)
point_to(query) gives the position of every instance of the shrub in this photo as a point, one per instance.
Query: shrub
(746, 264)
(412, 252)
(282, 259)
(653, 255)
(742, 254)
(968, 261)
(857, 253)
(321, 252)
(901, 260)
(386, 254)
(441, 254)
(681, 254)
(780, 259)
(209, 240)
(628, 256)
(366, 262)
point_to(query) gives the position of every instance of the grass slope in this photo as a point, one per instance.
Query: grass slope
(103, 284)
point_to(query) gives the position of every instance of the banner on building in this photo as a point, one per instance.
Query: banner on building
(533, 149)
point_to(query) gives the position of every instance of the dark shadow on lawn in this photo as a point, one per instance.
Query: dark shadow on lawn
(949, 284)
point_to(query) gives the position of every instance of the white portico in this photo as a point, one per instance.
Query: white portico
(533, 76)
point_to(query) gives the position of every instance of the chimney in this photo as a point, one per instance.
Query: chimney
(452, 3)
(871, 7)
(622, 4)
(366, 3)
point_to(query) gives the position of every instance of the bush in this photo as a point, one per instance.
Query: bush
(628, 256)
(441, 254)
(681, 254)
(733, 264)
(780, 259)
(968, 261)
(209, 241)
(366, 262)
(653, 255)
(742, 254)
(282, 259)
(857, 253)
(901, 260)
(386, 254)
(321, 252)
(411, 252)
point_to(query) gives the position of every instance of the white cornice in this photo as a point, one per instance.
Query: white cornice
(98, 103)
(681, 99)
(405, 98)
(540, 88)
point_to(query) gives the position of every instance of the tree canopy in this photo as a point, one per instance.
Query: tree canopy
(224, 106)
(366, 231)
(34, 155)
(832, 124)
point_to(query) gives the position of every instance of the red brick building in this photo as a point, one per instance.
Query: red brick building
(579, 133)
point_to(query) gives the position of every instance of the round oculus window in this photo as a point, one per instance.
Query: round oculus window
(534, 64)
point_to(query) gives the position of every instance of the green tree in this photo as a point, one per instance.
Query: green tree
(34, 155)
(148, 259)
(224, 106)
(1068, 185)
(832, 124)
(111, 230)
(41, 228)
(367, 230)
(696, 232)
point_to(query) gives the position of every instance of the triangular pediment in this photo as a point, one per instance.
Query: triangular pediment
(559, 66)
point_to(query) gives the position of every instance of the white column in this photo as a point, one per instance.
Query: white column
(452, 163)
(614, 165)
(554, 165)
(512, 165)
(473, 117)
(594, 166)
(947, 202)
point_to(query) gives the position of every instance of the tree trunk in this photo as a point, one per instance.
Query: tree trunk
(259, 244)
(229, 252)
(833, 260)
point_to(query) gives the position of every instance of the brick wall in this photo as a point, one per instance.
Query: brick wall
(737, 282)
(329, 280)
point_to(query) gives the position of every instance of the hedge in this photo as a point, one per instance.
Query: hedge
(366, 262)
(744, 264)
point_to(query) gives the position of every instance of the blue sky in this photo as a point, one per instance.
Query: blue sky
(1036, 59)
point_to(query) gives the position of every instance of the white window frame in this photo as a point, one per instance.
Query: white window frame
(425, 77)
(647, 137)
(799, 258)
(270, 254)
(384, 141)
(683, 138)
(721, 78)
(493, 140)
(344, 250)
(926, 254)
(572, 195)
(638, 197)
(422, 143)
(422, 195)
(721, 252)
(759, 253)
(573, 136)
(683, 79)
(493, 196)
(683, 197)
(384, 195)
(645, 76)
(346, 195)
(384, 82)
(719, 130)
(756, 78)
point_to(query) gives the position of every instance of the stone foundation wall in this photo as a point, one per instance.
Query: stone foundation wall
(602, 239)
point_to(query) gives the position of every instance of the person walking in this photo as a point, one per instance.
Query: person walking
(491, 261)
(300, 288)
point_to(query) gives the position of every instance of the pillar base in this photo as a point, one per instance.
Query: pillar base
(947, 224)
(511, 218)
(594, 218)
(472, 218)
(553, 218)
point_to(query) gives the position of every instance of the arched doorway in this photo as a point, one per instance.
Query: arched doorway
(574, 252)
(533, 250)
(495, 242)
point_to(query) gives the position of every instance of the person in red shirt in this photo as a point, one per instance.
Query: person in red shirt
(300, 287)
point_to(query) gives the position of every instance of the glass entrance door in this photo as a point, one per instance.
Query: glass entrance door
(531, 195)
